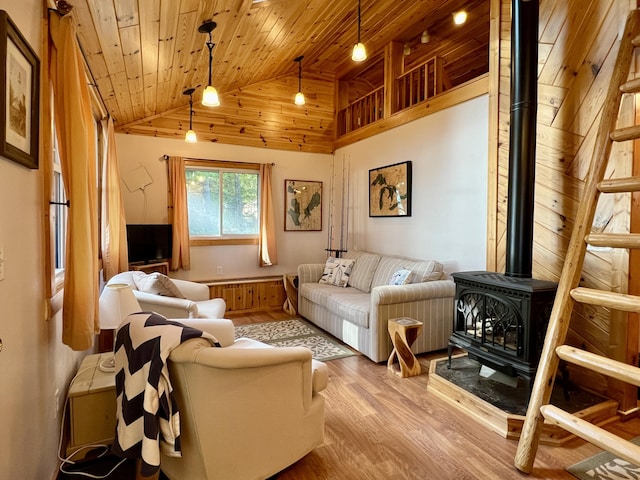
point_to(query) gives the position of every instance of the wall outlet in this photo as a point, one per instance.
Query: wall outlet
(219, 270)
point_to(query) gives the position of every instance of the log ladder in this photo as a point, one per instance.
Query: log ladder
(569, 290)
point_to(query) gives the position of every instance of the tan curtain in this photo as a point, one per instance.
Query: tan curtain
(267, 251)
(113, 228)
(180, 254)
(76, 142)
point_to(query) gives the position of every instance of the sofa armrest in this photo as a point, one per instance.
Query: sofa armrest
(309, 273)
(391, 294)
(221, 328)
(192, 290)
(170, 307)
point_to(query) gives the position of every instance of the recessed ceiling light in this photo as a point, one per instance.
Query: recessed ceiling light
(460, 17)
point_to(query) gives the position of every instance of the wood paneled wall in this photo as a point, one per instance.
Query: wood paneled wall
(577, 50)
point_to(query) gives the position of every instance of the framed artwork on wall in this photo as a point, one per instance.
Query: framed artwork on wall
(19, 88)
(302, 205)
(390, 190)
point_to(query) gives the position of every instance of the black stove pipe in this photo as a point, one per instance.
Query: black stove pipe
(522, 137)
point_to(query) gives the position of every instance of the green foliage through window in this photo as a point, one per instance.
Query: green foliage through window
(222, 202)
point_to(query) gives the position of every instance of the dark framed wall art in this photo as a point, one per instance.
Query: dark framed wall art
(302, 205)
(390, 190)
(19, 87)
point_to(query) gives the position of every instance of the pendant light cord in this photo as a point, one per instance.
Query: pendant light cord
(358, 21)
(210, 44)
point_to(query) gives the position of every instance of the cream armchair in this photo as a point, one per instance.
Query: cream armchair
(196, 303)
(247, 410)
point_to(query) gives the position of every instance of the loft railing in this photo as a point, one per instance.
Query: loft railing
(415, 86)
(419, 84)
(361, 112)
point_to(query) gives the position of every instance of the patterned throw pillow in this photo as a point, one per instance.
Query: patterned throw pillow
(157, 284)
(401, 277)
(337, 271)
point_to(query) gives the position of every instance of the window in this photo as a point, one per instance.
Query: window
(59, 214)
(222, 202)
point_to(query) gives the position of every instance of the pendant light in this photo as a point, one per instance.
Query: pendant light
(190, 137)
(210, 95)
(299, 96)
(359, 52)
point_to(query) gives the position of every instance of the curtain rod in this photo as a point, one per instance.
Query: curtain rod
(166, 157)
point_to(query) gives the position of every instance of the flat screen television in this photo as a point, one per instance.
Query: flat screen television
(149, 242)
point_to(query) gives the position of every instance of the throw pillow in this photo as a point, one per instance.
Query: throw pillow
(401, 277)
(337, 271)
(157, 284)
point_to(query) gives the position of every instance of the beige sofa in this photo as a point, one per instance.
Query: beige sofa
(247, 410)
(358, 314)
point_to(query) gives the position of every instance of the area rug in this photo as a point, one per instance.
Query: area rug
(605, 466)
(296, 333)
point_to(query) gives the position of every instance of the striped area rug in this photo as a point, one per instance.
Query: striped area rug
(296, 333)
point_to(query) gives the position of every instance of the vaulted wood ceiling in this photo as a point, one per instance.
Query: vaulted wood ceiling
(144, 53)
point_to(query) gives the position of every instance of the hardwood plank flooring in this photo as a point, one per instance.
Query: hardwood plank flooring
(381, 427)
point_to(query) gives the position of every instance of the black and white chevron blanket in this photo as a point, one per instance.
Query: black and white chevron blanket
(147, 415)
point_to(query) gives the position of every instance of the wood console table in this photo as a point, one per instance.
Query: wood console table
(403, 332)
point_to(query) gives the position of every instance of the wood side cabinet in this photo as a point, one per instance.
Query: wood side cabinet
(92, 406)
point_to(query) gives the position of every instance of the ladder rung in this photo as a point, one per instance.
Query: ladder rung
(617, 301)
(631, 86)
(605, 366)
(626, 133)
(606, 440)
(617, 185)
(614, 240)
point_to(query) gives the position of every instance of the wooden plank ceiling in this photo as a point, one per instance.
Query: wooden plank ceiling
(143, 54)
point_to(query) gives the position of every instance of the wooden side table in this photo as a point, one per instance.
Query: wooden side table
(160, 267)
(403, 332)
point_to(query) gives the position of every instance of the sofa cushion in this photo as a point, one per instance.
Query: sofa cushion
(421, 271)
(337, 271)
(157, 284)
(363, 269)
(353, 308)
(319, 293)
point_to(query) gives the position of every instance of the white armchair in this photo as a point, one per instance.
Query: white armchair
(247, 410)
(196, 303)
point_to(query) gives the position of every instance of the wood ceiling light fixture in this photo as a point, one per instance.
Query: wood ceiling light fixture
(190, 137)
(359, 52)
(210, 96)
(299, 100)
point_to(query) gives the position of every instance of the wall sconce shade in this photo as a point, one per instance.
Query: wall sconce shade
(190, 137)
(406, 50)
(299, 100)
(359, 52)
(210, 96)
(425, 38)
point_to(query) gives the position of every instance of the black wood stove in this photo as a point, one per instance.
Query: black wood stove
(501, 319)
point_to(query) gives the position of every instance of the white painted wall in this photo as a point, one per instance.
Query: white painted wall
(449, 152)
(34, 364)
(236, 261)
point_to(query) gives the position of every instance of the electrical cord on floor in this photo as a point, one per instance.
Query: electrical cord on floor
(68, 460)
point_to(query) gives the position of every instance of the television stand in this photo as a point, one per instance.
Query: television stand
(160, 267)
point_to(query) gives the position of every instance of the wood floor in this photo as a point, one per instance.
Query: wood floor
(381, 427)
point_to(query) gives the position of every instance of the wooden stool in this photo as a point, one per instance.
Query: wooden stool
(403, 332)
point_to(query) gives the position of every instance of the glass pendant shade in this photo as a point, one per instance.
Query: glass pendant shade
(359, 52)
(210, 97)
(299, 99)
(191, 137)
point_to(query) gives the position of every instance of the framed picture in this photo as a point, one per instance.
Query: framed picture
(302, 205)
(390, 191)
(20, 72)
